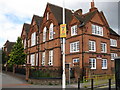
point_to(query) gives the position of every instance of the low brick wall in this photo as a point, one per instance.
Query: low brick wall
(45, 81)
(49, 81)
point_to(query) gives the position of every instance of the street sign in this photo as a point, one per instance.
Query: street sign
(63, 30)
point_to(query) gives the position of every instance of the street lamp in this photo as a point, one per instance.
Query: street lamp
(63, 75)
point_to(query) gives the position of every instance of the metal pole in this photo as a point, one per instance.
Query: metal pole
(109, 84)
(91, 84)
(79, 83)
(63, 76)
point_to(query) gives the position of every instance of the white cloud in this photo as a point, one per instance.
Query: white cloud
(25, 9)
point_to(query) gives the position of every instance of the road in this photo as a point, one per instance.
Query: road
(9, 81)
(13, 82)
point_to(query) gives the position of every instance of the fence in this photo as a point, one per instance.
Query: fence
(100, 77)
(20, 70)
(44, 72)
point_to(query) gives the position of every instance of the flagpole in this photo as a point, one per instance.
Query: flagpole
(63, 75)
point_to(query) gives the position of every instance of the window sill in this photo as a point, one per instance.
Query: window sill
(93, 68)
(104, 68)
(91, 51)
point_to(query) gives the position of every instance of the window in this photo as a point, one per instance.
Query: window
(113, 42)
(74, 46)
(75, 60)
(44, 34)
(33, 39)
(36, 59)
(24, 43)
(104, 63)
(43, 58)
(51, 31)
(47, 15)
(50, 58)
(74, 30)
(113, 55)
(92, 46)
(103, 47)
(92, 62)
(32, 59)
(97, 30)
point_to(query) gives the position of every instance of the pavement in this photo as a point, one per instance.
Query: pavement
(18, 81)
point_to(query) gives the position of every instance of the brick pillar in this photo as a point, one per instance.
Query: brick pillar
(28, 66)
(14, 66)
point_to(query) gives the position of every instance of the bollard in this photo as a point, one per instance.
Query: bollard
(79, 83)
(91, 84)
(109, 84)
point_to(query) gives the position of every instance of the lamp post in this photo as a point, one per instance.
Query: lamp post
(63, 75)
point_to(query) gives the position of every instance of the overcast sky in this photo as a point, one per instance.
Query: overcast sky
(14, 13)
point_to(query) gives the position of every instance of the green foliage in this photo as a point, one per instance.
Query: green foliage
(4, 57)
(17, 55)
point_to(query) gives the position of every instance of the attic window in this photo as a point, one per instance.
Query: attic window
(47, 15)
(97, 30)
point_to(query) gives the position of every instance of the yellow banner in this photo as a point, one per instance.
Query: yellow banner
(63, 30)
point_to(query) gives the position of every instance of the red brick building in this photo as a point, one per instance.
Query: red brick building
(91, 44)
(8, 47)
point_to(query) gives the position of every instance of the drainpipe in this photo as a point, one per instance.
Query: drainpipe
(82, 26)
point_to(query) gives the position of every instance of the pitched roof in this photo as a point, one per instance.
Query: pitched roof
(58, 13)
(86, 17)
(9, 45)
(38, 20)
(26, 27)
(112, 32)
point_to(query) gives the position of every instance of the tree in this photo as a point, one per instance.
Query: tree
(17, 55)
(4, 57)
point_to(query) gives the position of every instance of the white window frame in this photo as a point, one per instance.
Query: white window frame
(92, 46)
(51, 30)
(104, 47)
(113, 55)
(113, 42)
(47, 16)
(97, 30)
(50, 63)
(36, 63)
(74, 47)
(32, 59)
(43, 59)
(104, 63)
(33, 39)
(24, 43)
(75, 60)
(74, 30)
(92, 62)
(44, 34)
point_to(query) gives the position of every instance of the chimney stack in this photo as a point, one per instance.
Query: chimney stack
(93, 8)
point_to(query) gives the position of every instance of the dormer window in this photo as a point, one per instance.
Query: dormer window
(47, 15)
(74, 30)
(51, 31)
(97, 30)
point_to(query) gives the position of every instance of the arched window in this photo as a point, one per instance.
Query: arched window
(33, 39)
(51, 31)
(44, 34)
